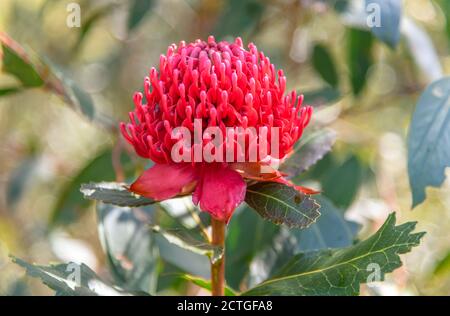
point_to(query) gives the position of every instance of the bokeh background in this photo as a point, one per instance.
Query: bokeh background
(47, 150)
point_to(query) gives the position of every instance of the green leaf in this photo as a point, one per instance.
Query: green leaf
(180, 214)
(445, 5)
(443, 266)
(282, 204)
(429, 139)
(8, 91)
(247, 234)
(70, 279)
(130, 246)
(324, 65)
(77, 98)
(169, 279)
(185, 260)
(330, 231)
(18, 288)
(359, 58)
(175, 216)
(206, 284)
(16, 63)
(310, 149)
(70, 204)
(340, 6)
(390, 12)
(61, 84)
(239, 18)
(138, 10)
(342, 271)
(341, 184)
(113, 193)
(20, 179)
(185, 241)
(90, 21)
(274, 256)
(321, 96)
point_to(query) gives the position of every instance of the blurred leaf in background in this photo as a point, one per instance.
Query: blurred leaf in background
(138, 10)
(388, 27)
(359, 58)
(429, 140)
(324, 65)
(239, 18)
(130, 247)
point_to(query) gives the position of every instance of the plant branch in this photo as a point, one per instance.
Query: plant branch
(218, 266)
(117, 164)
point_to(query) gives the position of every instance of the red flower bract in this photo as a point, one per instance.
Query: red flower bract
(224, 85)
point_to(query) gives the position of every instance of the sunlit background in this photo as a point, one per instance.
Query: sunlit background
(47, 150)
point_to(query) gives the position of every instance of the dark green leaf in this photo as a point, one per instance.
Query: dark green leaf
(8, 91)
(70, 279)
(206, 284)
(282, 204)
(138, 10)
(330, 231)
(171, 219)
(341, 5)
(445, 5)
(341, 184)
(273, 257)
(239, 18)
(183, 240)
(70, 204)
(19, 180)
(113, 193)
(18, 288)
(342, 271)
(18, 65)
(390, 12)
(429, 139)
(247, 234)
(443, 266)
(321, 96)
(359, 58)
(308, 151)
(78, 98)
(169, 279)
(179, 213)
(130, 247)
(186, 260)
(324, 65)
(320, 170)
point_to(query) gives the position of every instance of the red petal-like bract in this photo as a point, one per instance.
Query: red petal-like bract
(164, 181)
(219, 191)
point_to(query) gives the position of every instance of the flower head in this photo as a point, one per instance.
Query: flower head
(221, 85)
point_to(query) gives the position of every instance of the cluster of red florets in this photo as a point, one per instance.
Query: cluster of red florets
(224, 85)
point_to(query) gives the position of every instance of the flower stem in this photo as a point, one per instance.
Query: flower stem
(218, 266)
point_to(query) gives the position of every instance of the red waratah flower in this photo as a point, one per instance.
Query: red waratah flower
(224, 85)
